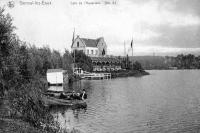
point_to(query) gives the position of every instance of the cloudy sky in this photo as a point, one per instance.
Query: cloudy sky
(163, 27)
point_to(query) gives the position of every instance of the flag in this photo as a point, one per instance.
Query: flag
(132, 46)
(132, 43)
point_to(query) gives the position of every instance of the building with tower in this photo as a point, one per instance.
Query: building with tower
(91, 47)
(96, 49)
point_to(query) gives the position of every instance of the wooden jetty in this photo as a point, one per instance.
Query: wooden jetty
(94, 76)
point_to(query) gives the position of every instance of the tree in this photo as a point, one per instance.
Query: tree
(137, 66)
(8, 45)
(186, 61)
(45, 55)
(83, 61)
(18, 66)
(24, 61)
(67, 61)
(56, 59)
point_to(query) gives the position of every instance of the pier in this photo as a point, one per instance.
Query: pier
(93, 76)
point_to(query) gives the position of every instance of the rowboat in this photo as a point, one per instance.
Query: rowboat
(50, 101)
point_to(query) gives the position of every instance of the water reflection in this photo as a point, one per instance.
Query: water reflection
(56, 88)
(67, 117)
(77, 86)
(165, 101)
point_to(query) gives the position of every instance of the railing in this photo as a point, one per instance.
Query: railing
(97, 75)
(107, 75)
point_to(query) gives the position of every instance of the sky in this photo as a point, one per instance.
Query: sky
(159, 27)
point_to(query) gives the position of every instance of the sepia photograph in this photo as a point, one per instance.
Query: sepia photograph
(99, 66)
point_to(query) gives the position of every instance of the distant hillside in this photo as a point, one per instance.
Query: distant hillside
(181, 61)
(151, 62)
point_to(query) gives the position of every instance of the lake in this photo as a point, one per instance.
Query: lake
(164, 101)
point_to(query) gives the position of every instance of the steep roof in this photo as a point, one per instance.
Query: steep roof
(90, 42)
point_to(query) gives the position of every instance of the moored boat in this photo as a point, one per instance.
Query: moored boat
(50, 101)
(61, 98)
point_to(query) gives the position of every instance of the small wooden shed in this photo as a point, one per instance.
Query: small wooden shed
(57, 76)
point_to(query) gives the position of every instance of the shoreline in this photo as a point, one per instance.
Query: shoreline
(15, 124)
(129, 73)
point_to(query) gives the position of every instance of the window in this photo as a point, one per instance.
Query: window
(77, 44)
(88, 51)
(91, 51)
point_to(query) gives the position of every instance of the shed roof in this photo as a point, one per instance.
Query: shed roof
(54, 70)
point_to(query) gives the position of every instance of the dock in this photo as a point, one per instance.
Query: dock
(91, 75)
(98, 76)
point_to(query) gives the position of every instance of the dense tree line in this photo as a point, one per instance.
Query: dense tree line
(188, 61)
(22, 71)
(126, 63)
(82, 61)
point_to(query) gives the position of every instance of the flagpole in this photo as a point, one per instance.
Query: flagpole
(124, 49)
(132, 47)
(74, 49)
(132, 52)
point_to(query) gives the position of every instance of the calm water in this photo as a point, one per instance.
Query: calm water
(165, 101)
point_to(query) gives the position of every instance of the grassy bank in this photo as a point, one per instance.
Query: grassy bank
(19, 126)
(16, 123)
(22, 110)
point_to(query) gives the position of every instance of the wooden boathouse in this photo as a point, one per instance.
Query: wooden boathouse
(56, 76)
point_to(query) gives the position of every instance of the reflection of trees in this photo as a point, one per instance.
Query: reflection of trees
(66, 117)
(76, 113)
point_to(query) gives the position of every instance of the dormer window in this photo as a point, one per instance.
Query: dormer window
(77, 44)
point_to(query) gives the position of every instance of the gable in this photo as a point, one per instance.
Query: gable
(101, 43)
(85, 42)
(78, 43)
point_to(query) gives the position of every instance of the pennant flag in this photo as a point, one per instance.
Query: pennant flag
(132, 43)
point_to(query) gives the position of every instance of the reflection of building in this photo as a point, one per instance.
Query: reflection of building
(91, 47)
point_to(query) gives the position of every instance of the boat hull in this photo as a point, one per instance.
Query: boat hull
(51, 101)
